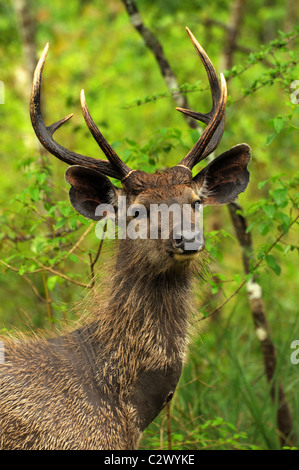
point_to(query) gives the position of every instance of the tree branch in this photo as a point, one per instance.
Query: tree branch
(45, 268)
(284, 416)
(153, 44)
(63, 276)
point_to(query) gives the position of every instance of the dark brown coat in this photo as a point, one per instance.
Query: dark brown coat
(101, 384)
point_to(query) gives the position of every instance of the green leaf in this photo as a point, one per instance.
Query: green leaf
(285, 221)
(280, 196)
(73, 221)
(51, 209)
(271, 261)
(264, 228)
(41, 177)
(278, 123)
(73, 258)
(261, 184)
(34, 193)
(214, 288)
(60, 223)
(250, 227)
(237, 278)
(66, 210)
(269, 211)
(51, 282)
(38, 244)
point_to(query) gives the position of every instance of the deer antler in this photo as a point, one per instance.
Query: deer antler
(102, 142)
(214, 119)
(114, 167)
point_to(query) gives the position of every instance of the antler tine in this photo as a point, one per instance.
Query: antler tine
(100, 139)
(214, 119)
(44, 133)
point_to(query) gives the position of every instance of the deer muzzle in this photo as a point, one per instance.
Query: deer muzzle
(186, 244)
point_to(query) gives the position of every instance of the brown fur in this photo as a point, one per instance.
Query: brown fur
(100, 385)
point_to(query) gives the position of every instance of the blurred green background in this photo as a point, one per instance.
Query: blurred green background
(49, 253)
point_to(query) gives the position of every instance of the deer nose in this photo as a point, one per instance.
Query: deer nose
(188, 241)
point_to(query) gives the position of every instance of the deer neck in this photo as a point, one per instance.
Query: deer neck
(147, 309)
(139, 339)
(148, 289)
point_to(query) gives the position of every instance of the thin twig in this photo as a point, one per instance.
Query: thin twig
(225, 302)
(25, 238)
(26, 279)
(34, 288)
(63, 276)
(274, 243)
(81, 239)
(46, 268)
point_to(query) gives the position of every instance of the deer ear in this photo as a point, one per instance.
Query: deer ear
(90, 188)
(225, 177)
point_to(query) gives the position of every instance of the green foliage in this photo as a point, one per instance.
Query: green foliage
(213, 434)
(274, 216)
(49, 254)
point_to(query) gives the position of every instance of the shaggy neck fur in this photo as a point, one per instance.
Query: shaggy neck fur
(100, 385)
(144, 324)
(140, 337)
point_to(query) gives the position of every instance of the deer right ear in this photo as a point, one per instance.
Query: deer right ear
(90, 188)
(225, 177)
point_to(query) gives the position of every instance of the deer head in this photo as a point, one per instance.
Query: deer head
(219, 182)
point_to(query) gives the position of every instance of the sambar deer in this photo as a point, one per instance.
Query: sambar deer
(100, 385)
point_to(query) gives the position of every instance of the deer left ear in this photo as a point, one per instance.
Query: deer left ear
(89, 189)
(225, 177)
